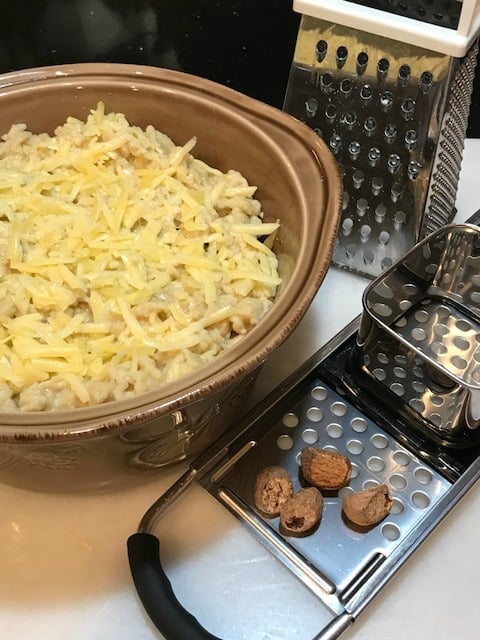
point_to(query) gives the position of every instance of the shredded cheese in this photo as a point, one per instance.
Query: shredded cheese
(125, 262)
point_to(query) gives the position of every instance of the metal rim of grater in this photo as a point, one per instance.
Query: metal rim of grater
(320, 405)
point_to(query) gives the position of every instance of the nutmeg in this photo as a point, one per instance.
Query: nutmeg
(368, 507)
(302, 511)
(273, 487)
(326, 470)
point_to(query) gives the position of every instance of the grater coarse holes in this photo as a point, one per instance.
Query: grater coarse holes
(395, 117)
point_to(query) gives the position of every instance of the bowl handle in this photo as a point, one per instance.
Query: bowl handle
(156, 593)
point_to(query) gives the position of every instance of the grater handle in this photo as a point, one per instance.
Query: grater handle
(156, 593)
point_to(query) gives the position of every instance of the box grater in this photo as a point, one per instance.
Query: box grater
(387, 85)
(346, 398)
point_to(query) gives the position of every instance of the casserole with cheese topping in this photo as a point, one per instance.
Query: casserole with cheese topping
(125, 262)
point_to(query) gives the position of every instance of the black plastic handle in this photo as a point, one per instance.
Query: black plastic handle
(156, 593)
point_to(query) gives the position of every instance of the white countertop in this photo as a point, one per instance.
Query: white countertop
(64, 570)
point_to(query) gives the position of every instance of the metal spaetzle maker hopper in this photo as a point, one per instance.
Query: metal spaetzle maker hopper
(387, 85)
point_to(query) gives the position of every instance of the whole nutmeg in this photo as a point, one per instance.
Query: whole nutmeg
(326, 470)
(302, 512)
(273, 487)
(368, 507)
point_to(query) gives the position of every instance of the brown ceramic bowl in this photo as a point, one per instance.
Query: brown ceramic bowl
(298, 182)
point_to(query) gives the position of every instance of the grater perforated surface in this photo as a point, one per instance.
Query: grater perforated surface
(395, 117)
(420, 334)
(321, 417)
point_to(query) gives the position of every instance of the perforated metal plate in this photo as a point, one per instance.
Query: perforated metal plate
(323, 418)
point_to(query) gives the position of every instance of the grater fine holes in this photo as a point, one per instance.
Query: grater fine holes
(418, 334)
(338, 409)
(404, 305)
(437, 401)
(368, 256)
(377, 185)
(314, 414)
(380, 211)
(384, 291)
(284, 442)
(418, 386)
(421, 316)
(379, 374)
(383, 358)
(362, 206)
(369, 126)
(440, 329)
(417, 405)
(355, 447)
(355, 471)
(383, 66)
(351, 250)
(359, 424)
(410, 289)
(346, 87)
(334, 430)
(382, 310)
(463, 325)
(311, 106)
(458, 362)
(393, 162)
(366, 94)
(379, 441)
(357, 179)
(420, 499)
(370, 484)
(335, 143)
(403, 75)
(398, 481)
(390, 532)
(347, 226)
(399, 219)
(410, 139)
(423, 475)
(341, 56)
(354, 149)
(436, 419)
(309, 436)
(330, 447)
(397, 507)
(426, 81)
(375, 464)
(344, 491)
(401, 322)
(290, 420)
(439, 349)
(362, 61)
(399, 372)
(365, 231)
(390, 133)
(374, 156)
(386, 101)
(401, 458)
(461, 343)
(398, 389)
(321, 49)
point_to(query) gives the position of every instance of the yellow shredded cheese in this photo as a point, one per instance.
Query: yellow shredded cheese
(125, 262)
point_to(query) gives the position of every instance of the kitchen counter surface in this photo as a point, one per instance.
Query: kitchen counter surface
(64, 570)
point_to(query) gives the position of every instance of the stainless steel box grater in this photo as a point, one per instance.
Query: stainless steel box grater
(388, 86)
